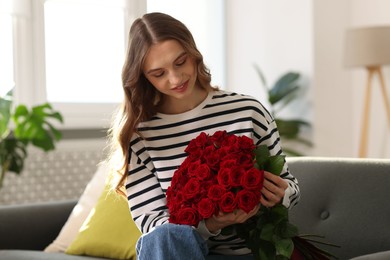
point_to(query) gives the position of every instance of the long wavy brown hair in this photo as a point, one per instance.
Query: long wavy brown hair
(141, 99)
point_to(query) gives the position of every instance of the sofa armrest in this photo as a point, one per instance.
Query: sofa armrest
(32, 226)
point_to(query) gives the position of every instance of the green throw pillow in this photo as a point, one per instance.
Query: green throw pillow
(108, 231)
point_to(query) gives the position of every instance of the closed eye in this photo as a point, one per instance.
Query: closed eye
(181, 62)
(159, 74)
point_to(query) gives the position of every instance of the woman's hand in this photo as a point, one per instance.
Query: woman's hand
(273, 190)
(217, 222)
(272, 193)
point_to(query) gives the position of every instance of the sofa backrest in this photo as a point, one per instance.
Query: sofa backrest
(346, 200)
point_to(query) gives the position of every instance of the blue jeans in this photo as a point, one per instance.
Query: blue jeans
(176, 242)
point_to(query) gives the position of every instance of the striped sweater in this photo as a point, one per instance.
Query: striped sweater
(154, 158)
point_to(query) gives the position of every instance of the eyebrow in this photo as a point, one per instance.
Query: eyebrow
(178, 57)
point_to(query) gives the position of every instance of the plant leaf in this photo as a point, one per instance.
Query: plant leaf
(267, 232)
(265, 251)
(34, 126)
(284, 86)
(290, 128)
(261, 154)
(13, 154)
(284, 247)
(275, 164)
(5, 113)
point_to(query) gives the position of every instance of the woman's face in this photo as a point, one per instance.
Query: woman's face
(171, 71)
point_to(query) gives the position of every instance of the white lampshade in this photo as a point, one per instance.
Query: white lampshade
(368, 46)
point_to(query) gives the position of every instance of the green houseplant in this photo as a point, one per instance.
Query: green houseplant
(280, 95)
(29, 127)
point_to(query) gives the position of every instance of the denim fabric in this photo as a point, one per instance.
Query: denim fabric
(171, 241)
(176, 242)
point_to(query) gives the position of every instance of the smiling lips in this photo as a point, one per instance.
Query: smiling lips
(181, 88)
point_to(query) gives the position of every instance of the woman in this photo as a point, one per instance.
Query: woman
(169, 101)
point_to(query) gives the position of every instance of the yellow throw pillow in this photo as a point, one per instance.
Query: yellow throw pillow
(109, 230)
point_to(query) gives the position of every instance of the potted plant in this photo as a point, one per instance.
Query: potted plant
(29, 127)
(280, 95)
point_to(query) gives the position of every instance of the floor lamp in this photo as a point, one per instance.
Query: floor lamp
(369, 47)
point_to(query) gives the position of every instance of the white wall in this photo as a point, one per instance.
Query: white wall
(276, 35)
(308, 37)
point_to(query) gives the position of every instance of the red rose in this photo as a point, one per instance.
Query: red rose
(246, 144)
(213, 161)
(193, 149)
(235, 176)
(201, 140)
(230, 140)
(216, 191)
(192, 188)
(208, 150)
(185, 163)
(247, 200)
(187, 216)
(229, 162)
(179, 178)
(253, 179)
(205, 186)
(218, 137)
(193, 168)
(206, 208)
(223, 177)
(245, 160)
(203, 172)
(228, 202)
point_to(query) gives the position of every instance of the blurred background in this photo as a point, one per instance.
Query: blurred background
(70, 54)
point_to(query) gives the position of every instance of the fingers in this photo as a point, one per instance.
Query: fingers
(276, 180)
(239, 216)
(273, 190)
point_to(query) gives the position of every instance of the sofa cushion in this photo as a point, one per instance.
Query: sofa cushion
(109, 231)
(346, 201)
(43, 221)
(81, 211)
(40, 255)
(376, 256)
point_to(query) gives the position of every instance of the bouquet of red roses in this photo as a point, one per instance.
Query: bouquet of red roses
(217, 175)
(224, 172)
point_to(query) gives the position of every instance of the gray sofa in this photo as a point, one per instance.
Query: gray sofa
(345, 200)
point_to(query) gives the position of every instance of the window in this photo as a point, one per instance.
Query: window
(71, 52)
(79, 49)
(84, 57)
(6, 54)
(80, 53)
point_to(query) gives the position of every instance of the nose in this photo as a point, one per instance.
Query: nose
(175, 77)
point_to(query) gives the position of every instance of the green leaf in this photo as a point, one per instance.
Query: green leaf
(13, 154)
(283, 87)
(275, 164)
(278, 213)
(5, 114)
(267, 232)
(284, 247)
(261, 154)
(34, 126)
(20, 111)
(290, 128)
(266, 251)
(281, 96)
(286, 230)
